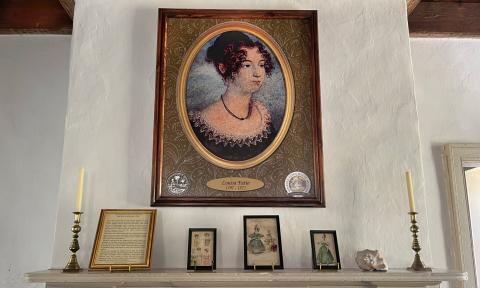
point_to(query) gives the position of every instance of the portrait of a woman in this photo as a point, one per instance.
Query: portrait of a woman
(235, 125)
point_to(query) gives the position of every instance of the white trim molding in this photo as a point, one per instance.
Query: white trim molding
(241, 278)
(456, 157)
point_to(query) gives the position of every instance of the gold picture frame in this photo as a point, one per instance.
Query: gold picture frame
(123, 240)
(182, 87)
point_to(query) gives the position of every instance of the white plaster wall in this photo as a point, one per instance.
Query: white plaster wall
(369, 121)
(33, 100)
(447, 90)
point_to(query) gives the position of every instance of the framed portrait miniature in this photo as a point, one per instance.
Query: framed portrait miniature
(202, 249)
(262, 242)
(237, 110)
(325, 253)
(124, 239)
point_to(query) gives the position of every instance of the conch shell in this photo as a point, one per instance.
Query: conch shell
(371, 260)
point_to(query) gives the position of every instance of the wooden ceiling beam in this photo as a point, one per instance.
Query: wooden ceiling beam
(69, 6)
(411, 5)
(33, 17)
(447, 18)
(427, 18)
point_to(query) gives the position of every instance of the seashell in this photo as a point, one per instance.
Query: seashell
(371, 260)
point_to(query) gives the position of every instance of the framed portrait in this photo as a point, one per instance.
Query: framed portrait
(262, 241)
(325, 253)
(124, 239)
(237, 110)
(202, 249)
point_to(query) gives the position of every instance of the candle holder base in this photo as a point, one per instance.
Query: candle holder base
(72, 265)
(418, 266)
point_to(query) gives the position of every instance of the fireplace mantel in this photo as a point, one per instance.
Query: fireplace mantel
(242, 278)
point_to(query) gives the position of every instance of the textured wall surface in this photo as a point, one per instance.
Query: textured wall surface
(369, 122)
(33, 101)
(447, 90)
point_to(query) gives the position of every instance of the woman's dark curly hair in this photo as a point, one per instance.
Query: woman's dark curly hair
(227, 50)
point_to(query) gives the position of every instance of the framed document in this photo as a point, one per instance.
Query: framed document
(325, 253)
(237, 109)
(262, 242)
(124, 239)
(202, 249)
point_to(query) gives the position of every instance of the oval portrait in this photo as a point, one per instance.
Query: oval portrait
(235, 95)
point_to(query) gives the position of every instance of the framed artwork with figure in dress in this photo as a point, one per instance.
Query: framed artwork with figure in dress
(237, 110)
(325, 253)
(262, 242)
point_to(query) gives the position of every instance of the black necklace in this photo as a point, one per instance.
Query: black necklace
(231, 113)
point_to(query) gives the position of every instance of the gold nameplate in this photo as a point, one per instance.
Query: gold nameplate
(235, 184)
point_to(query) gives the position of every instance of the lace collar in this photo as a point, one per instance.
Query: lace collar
(226, 138)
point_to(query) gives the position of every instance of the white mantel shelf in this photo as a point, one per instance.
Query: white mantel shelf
(242, 278)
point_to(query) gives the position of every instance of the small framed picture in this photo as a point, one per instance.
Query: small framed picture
(262, 242)
(124, 239)
(202, 249)
(325, 249)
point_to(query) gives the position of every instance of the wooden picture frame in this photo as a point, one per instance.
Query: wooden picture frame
(202, 249)
(262, 242)
(325, 253)
(204, 154)
(124, 239)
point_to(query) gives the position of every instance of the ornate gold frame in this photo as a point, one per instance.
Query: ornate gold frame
(99, 235)
(182, 86)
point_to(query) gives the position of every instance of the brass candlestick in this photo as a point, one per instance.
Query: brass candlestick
(417, 264)
(72, 265)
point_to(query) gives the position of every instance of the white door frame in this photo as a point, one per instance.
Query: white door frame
(456, 156)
